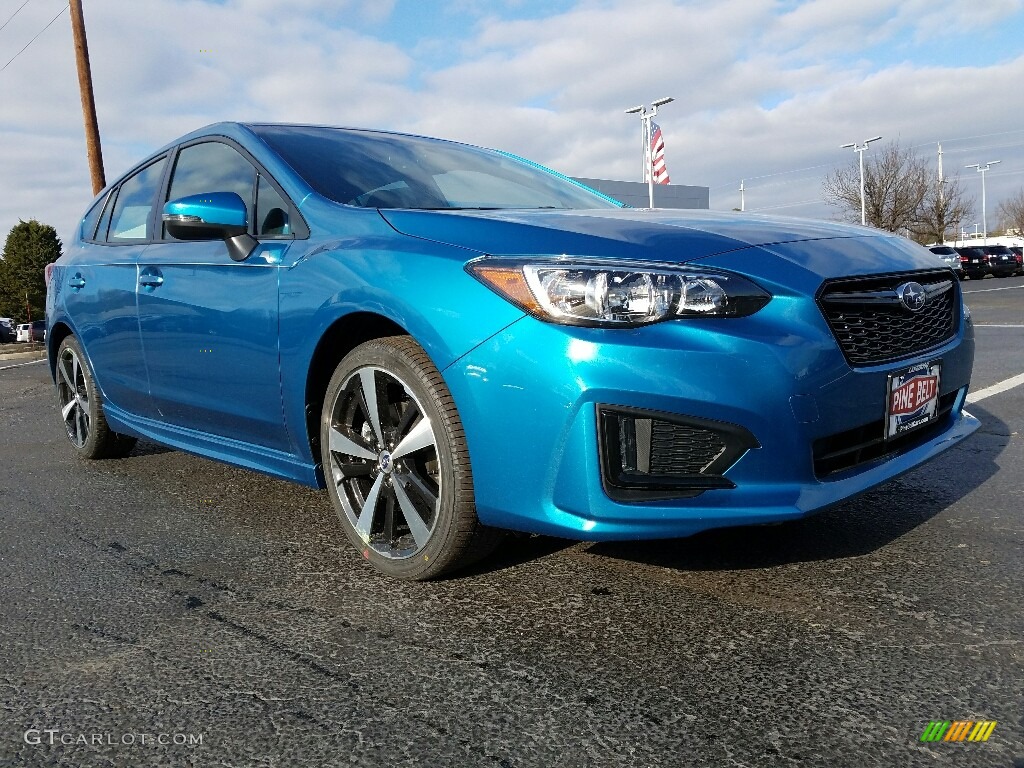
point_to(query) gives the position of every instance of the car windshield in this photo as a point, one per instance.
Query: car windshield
(385, 170)
(944, 251)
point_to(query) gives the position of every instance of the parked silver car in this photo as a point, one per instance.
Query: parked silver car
(950, 257)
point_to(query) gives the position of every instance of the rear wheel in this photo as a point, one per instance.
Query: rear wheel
(396, 463)
(81, 407)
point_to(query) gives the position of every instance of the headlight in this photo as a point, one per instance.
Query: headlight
(616, 293)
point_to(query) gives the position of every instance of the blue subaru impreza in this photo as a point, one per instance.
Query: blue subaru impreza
(454, 341)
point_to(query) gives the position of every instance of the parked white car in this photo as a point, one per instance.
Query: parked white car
(32, 331)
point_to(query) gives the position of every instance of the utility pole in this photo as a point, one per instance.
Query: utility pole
(92, 131)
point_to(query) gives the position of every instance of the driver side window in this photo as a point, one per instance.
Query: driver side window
(213, 167)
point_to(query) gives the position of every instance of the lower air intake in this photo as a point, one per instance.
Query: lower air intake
(647, 455)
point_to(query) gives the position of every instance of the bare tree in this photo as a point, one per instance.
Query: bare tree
(1011, 212)
(895, 185)
(944, 208)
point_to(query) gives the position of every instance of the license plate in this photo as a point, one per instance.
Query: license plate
(913, 399)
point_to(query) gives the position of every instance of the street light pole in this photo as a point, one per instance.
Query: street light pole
(860, 151)
(646, 117)
(984, 218)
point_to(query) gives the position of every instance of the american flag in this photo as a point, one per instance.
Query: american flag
(658, 166)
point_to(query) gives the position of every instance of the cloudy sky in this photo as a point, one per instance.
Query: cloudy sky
(766, 90)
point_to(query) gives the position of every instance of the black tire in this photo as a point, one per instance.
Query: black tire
(396, 463)
(81, 406)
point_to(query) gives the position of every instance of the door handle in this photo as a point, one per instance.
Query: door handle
(148, 280)
(77, 282)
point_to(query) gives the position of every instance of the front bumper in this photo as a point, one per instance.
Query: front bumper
(529, 400)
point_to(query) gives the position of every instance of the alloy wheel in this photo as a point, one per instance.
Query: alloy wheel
(73, 396)
(384, 464)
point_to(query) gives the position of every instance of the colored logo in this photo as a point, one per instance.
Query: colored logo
(912, 296)
(913, 399)
(908, 397)
(958, 730)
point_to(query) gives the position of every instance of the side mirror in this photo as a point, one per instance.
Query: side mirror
(211, 216)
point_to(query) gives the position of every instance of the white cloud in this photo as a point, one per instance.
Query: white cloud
(758, 90)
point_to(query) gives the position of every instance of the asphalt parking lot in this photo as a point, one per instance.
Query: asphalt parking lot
(167, 610)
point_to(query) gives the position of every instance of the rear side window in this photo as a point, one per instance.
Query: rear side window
(130, 217)
(90, 219)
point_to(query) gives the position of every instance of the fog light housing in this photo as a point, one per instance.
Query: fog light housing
(650, 455)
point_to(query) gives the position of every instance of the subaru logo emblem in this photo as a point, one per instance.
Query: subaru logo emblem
(912, 296)
(384, 462)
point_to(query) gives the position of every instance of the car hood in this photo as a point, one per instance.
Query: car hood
(668, 237)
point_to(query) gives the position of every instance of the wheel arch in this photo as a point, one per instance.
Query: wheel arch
(54, 337)
(340, 338)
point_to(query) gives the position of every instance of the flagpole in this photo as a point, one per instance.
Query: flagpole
(646, 120)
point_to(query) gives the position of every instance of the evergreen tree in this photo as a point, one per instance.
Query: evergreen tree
(30, 246)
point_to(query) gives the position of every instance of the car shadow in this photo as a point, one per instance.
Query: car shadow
(851, 529)
(515, 549)
(146, 448)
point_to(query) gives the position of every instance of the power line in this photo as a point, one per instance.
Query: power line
(816, 201)
(14, 14)
(769, 175)
(735, 183)
(969, 138)
(5, 66)
(985, 148)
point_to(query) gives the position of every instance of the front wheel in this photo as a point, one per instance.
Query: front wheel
(81, 407)
(396, 463)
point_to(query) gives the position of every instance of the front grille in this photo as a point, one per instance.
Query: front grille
(849, 449)
(649, 455)
(872, 325)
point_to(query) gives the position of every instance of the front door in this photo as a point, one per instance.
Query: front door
(209, 325)
(210, 338)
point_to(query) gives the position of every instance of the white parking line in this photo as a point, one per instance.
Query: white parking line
(987, 290)
(19, 365)
(995, 389)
